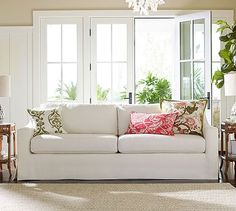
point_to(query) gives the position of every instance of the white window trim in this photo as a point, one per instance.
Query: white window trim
(130, 50)
(87, 15)
(43, 63)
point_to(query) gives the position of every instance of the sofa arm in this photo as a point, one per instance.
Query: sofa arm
(211, 137)
(24, 136)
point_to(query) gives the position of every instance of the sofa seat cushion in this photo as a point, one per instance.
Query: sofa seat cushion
(74, 143)
(150, 143)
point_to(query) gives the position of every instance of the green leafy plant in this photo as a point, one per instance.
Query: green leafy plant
(68, 92)
(123, 94)
(152, 90)
(102, 93)
(199, 84)
(228, 53)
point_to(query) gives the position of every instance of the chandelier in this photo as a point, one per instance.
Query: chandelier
(143, 6)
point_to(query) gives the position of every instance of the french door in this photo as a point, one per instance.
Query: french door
(193, 63)
(111, 60)
(62, 56)
(113, 72)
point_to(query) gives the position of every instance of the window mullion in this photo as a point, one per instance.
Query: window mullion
(77, 62)
(192, 56)
(61, 62)
(111, 65)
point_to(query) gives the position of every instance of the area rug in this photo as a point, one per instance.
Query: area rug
(120, 197)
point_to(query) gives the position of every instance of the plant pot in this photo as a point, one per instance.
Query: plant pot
(230, 90)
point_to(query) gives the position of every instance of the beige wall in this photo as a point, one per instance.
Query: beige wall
(19, 12)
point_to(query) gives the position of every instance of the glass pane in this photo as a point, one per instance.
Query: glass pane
(54, 81)
(154, 44)
(69, 42)
(198, 80)
(119, 82)
(54, 42)
(185, 40)
(215, 43)
(216, 100)
(104, 42)
(216, 106)
(103, 82)
(70, 81)
(215, 91)
(186, 81)
(199, 39)
(119, 42)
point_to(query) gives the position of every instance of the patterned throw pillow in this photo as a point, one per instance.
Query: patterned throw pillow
(143, 123)
(190, 117)
(46, 121)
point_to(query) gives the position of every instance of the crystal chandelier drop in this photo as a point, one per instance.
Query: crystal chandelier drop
(143, 6)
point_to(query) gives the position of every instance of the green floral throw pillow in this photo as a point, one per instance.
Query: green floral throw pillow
(190, 117)
(46, 121)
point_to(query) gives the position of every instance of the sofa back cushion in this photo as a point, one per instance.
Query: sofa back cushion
(124, 112)
(90, 119)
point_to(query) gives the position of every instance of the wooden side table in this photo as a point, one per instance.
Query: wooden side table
(226, 130)
(8, 130)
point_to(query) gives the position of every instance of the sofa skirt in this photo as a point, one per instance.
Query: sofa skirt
(117, 166)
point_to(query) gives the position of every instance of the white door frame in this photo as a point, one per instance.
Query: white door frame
(130, 50)
(87, 15)
(207, 16)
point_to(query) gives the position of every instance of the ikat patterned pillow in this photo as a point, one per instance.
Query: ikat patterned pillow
(46, 121)
(190, 115)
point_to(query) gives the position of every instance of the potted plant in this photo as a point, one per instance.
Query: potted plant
(153, 89)
(228, 53)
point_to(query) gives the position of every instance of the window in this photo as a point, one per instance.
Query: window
(62, 59)
(154, 44)
(192, 56)
(111, 59)
(216, 64)
(64, 51)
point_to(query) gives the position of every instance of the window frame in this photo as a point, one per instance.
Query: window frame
(44, 62)
(130, 50)
(86, 15)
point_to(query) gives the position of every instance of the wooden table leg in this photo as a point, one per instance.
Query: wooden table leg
(221, 163)
(226, 152)
(14, 150)
(222, 149)
(9, 155)
(1, 138)
(1, 143)
(1, 175)
(222, 143)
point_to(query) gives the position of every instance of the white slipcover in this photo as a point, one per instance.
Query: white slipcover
(74, 143)
(125, 110)
(90, 119)
(168, 165)
(149, 143)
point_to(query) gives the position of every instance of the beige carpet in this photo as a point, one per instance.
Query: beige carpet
(110, 197)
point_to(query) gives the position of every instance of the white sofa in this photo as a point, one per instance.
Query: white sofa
(96, 147)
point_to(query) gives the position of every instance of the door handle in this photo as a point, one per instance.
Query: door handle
(130, 98)
(208, 98)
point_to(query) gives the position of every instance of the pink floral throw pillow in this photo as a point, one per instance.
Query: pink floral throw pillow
(190, 117)
(143, 123)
